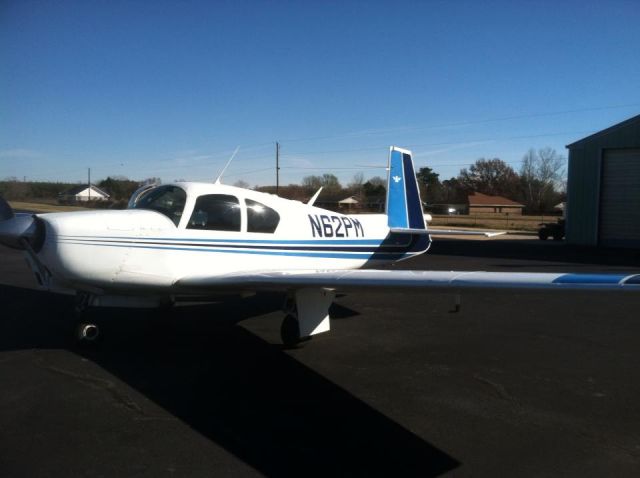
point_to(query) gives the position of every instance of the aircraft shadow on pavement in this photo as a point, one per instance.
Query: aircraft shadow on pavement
(247, 395)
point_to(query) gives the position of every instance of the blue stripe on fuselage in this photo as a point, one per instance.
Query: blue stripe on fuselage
(388, 249)
(370, 242)
(364, 255)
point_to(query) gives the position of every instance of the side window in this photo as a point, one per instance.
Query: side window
(261, 218)
(218, 212)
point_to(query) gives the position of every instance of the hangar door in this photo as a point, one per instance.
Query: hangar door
(619, 223)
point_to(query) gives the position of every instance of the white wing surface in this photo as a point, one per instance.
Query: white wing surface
(455, 232)
(404, 279)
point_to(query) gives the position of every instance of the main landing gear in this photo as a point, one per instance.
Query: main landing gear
(306, 314)
(290, 331)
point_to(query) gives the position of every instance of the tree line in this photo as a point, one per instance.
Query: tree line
(119, 189)
(539, 185)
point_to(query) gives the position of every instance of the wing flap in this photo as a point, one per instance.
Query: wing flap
(405, 279)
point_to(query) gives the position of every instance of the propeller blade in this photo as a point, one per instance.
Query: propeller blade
(14, 229)
(5, 210)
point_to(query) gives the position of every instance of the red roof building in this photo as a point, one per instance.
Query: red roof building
(484, 204)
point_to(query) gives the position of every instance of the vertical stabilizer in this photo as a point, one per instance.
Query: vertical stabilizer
(404, 207)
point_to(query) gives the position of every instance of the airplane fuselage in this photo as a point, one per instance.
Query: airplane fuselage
(144, 250)
(198, 240)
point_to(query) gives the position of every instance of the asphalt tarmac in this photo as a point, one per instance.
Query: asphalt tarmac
(515, 384)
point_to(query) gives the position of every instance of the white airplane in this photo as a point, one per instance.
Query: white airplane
(202, 239)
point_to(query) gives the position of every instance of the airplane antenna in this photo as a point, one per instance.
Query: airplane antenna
(217, 181)
(277, 167)
(312, 201)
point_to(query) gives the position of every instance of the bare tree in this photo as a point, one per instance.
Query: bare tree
(312, 182)
(328, 181)
(356, 183)
(151, 180)
(241, 184)
(542, 175)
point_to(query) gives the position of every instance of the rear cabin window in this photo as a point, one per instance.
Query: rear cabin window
(261, 218)
(167, 200)
(216, 212)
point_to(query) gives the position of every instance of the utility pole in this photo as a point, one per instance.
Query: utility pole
(277, 167)
(89, 181)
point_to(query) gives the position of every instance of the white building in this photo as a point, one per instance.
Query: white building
(84, 193)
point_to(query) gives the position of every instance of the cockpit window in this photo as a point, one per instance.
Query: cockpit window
(261, 218)
(168, 200)
(219, 212)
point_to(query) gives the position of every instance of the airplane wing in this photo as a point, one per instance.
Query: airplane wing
(455, 232)
(406, 279)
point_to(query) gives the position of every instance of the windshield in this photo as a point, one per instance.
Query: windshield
(168, 200)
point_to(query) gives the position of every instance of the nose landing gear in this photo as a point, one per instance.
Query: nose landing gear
(85, 331)
(88, 332)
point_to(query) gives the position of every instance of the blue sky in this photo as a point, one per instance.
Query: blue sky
(169, 89)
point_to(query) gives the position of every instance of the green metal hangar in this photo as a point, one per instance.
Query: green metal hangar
(603, 190)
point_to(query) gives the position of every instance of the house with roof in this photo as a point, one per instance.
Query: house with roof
(484, 204)
(349, 203)
(85, 193)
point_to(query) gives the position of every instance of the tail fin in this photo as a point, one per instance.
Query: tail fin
(404, 208)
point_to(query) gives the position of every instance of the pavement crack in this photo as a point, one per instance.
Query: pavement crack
(117, 396)
(498, 388)
(100, 383)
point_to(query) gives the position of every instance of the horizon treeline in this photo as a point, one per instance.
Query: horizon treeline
(539, 185)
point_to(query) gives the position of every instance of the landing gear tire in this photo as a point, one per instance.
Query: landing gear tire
(290, 331)
(88, 332)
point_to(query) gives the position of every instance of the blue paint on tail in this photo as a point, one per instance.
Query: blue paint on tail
(396, 197)
(404, 208)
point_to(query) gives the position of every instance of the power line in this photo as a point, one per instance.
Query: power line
(240, 173)
(333, 168)
(463, 123)
(449, 143)
(257, 146)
